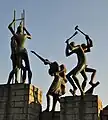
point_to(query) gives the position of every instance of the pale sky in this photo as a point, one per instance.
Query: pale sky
(50, 23)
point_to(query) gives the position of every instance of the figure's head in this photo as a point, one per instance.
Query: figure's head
(72, 43)
(62, 67)
(83, 46)
(54, 67)
(20, 28)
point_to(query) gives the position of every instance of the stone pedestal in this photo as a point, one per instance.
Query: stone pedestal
(20, 102)
(77, 108)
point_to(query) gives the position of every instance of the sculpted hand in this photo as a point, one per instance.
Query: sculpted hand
(87, 37)
(46, 61)
(67, 41)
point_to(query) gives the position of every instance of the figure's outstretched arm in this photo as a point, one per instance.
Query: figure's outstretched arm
(10, 27)
(28, 34)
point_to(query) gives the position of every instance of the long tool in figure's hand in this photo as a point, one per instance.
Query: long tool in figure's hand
(46, 61)
(71, 37)
(86, 36)
(76, 28)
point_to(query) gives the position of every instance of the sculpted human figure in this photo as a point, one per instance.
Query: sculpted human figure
(21, 52)
(80, 67)
(58, 85)
(86, 48)
(13, 57)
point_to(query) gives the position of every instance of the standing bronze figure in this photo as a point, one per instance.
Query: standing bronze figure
(58, 85)
(87, 48)
(19, 51)
(80, 68)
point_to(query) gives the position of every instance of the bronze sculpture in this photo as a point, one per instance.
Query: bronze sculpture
(20, 52)
(57, 87)
(88, 49)
(81, 67)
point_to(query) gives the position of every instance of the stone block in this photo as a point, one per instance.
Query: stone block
(2, 105)
(91, 110)
(19, 110)
(17, 98)
(2, 111)
(20, 116)
(88, 116)
(69, 117)
(20, 104)
(90, 98)
(19, 86)
(50, 115)
(89, 104)
(3, 99)
(19, 92)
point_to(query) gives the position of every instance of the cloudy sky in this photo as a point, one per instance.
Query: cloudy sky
(50, 23)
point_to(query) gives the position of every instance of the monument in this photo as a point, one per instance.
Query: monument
(20, 100)
(19, 52)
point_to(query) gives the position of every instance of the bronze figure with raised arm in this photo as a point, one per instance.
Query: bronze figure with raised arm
(71, 48)
(58, 85)
(21, 52)
(87, 48)
(13, 57)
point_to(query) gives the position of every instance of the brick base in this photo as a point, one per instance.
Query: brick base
(77, 108)
(20, 102)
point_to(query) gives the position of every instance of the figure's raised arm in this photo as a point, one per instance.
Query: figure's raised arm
(87, 47)
(70, 48)
(28, 35)
(10, 27)
(67, 50)
(89, 41)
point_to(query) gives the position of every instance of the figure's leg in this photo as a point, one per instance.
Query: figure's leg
(90, 90)
(11, 75)
(55, 99)
(27, 65)
(78, 84)
(18, 66)
(93, 74)
(63, 87)
(48, 102)
(23, 69)
(24, 76)
(85, 79)
(71, 82)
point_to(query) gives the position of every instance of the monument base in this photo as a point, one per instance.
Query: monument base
(80, 108)
(20, 102)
